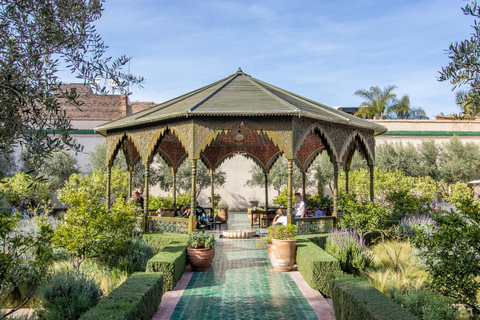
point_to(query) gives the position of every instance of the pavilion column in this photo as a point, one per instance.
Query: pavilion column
(372, 196)
(289, 186)
(174, 176)
(266, 190)
(193, 194)
(335, 189)
(145, 197)
(212, 189)
(304, 185)
(130, 182)
(109, 178)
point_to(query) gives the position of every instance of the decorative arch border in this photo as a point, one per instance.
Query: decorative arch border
(231, 125)
(169, 161)
(310, 159)
(351, 140)
(230, 155)
(273, 160)
(118, 144)
(327, 141)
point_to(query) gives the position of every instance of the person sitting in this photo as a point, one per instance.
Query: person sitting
(161, 212)
(199, 210)
(138, 200)
(187, 212)
(318, 212)
(25, 212)
(16, 209)
(202, 221)
(180, 211)
(280, 218)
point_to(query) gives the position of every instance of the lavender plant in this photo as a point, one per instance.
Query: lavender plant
(408, 226)
(349, 247)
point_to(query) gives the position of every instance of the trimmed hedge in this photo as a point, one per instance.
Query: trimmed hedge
(171, 261)
(135, 299)
(158, 241)
(357, 299)
(316, 266)
(319, 239)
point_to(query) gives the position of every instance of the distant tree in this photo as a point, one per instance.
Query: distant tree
(429, 154)
(459, 162)
(7, 165)
(401, 109)
(377, 101)
(467, 101)
(322, 170)
(59, 167)
(184, 178)
(390, 156)
(277, 176)
(36, 37)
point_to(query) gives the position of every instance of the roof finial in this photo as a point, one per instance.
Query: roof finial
(239, 71)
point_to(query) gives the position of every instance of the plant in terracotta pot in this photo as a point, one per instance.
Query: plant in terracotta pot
(253, 216)
(200, 250)
(282, 246)
(223, 213)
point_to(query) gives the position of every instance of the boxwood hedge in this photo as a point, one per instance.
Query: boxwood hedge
(316, 265)
(135, 299)
(357, 299)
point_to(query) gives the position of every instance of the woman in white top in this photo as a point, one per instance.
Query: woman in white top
(300, 207)
(280, 218)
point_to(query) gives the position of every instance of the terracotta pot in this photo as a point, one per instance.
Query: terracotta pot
(223, 215)
(253, 217)
(282, 254)
(200, 259)
(254, 203)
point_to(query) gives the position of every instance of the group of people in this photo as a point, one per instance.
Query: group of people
(22, 210)
(300, 211)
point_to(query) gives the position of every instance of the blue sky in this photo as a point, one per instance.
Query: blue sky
(323, 50)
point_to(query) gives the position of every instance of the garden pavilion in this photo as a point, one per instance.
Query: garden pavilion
(240, 115)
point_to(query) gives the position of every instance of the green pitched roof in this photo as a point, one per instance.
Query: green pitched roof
(238, 94)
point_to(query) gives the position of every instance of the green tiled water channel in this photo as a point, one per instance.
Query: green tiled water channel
(241, 284)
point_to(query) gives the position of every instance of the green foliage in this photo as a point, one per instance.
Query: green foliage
(59, 167)
(7, 165)
(22, 187)
(459, 162)
(86, 190)
(25, 256)
(459, 192)
(316, 266)
(363, 215)
(158, 241)
(222, 206)
(320, 239)
(425, 304)
(200, 240)
(64, 34)
(277, 176)
(451, 254)
(322, 169)
(357, 299)
(135, 299)
(320, 201)
(282, 198)
(348, 247)
(89, 230)
(171, 261)
(377, 101)
(160, 202)
(68, 297)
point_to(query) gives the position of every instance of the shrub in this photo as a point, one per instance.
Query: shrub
(408, 226)
(320, 201)
(425, 304)
(200, 240)
(135, 299)
(279, 232)
(348, 247)
(357, 299)
(316, 266)
(67, 297)
(171, 262)
(222, 206)
(160, 202)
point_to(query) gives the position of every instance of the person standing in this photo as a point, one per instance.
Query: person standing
(300, 207)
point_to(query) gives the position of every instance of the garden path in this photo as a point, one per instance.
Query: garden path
(241, 284)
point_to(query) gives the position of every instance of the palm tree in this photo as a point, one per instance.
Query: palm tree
(400, 108)
(469, 102)
(377, 101)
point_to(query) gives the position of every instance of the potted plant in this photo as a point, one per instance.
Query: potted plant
(223, 213)
(253, 216)
(200, 250)
(281, 246)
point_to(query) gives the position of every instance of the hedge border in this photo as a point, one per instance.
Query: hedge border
(135, 299)
(357, 299)
(319, 239)
(316, 265)
(171, 261)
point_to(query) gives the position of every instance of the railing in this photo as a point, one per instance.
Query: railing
(314, 225)
(169, 225)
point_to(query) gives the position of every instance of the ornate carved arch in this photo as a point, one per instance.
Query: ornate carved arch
(126, 142)
(356, 141)
(324, 137)
(232, 125)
